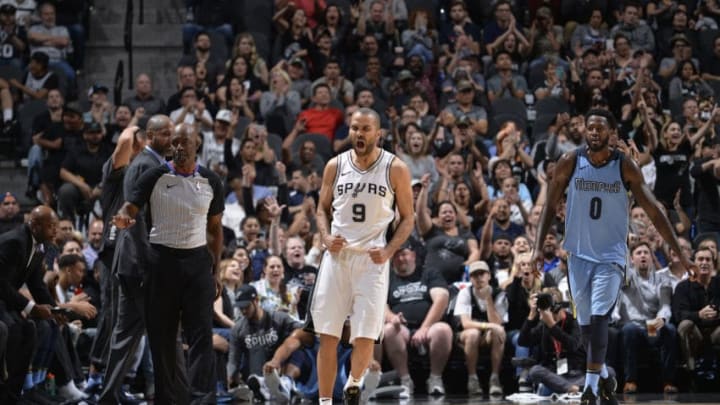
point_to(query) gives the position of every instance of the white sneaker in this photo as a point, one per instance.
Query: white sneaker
(408, 384)
(371, 380)
(70, 392)
(276, 387)
(435, 385)
(495, 387)
(473, 386)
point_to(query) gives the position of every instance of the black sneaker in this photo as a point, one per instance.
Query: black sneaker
(606, 391)
(588, 397)
(351, 396)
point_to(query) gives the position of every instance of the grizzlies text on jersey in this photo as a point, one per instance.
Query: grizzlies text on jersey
(596, 222)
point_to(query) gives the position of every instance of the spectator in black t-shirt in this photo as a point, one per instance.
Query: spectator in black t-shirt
(417, 302)
(13, 38)
(706, 172)
(81, 172)
(449, 246)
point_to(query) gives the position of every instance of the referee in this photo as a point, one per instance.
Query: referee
(185, 209)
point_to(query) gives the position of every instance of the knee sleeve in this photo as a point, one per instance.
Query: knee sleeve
(598, 339)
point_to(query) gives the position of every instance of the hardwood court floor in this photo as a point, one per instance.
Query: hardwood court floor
(684, 399)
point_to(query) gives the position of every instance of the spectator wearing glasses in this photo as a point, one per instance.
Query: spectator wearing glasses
(10, 216)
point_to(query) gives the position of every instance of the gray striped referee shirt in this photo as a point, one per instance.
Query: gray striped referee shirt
(179, 205)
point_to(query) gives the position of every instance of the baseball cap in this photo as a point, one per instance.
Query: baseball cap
(501, 236)
(297, 62)
(92, 127)
(679, 38)
(224, 115)
(415, 182)
(98, 88)
(407, 245)
(7, 8)
(463, 121)
(73, 107)
(543, 12)
(245, 296)
(495, 160)
(9, 196)
(464, 85)
(479, 265)
(405, 75)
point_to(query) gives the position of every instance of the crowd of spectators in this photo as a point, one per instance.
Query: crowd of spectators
(479, 105)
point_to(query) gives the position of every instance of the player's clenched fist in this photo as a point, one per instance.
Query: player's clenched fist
(334, 243)
(378, 255)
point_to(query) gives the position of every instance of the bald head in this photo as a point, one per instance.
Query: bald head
(185, 142)
(43, 223)
(158, 122)
(159, 131)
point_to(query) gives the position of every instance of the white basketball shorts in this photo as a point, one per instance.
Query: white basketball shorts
(349, 284)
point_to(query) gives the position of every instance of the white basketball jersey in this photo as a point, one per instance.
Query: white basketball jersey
(363, 202)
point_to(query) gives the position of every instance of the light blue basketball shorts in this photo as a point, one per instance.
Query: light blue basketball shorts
(595, 287)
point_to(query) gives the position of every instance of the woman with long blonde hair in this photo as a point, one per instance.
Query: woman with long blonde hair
(245, 46)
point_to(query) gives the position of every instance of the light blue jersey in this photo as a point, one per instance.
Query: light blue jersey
(597, 218)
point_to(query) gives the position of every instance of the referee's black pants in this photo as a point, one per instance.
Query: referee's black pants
(180, 291)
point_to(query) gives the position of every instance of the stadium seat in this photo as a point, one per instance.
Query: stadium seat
(552, 106)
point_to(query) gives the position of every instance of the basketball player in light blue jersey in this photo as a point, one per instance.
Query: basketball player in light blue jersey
(597, 179)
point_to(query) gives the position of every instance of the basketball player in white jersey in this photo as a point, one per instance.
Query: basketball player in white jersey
(361, 189)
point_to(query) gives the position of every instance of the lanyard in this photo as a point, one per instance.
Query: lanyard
(557, 343)
(171, 166)
(157, 156)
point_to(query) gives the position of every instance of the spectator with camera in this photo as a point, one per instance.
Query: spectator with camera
(482, 310)
(417, 302)
(643, 310)
(561, 357)
(523, 283)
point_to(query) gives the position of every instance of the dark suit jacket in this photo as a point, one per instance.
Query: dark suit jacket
(15, 250)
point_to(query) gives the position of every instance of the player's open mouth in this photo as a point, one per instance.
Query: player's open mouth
(360, 143)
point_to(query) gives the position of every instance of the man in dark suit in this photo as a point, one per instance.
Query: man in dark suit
(21, 256)
(130, 248)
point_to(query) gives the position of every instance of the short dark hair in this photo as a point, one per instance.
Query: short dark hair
(641, 242)
(319, 85)
(599, 112)
(69, 260)
(370, 112)
(201, 33)
(41, 58)
(705, 248)
(501, 52)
